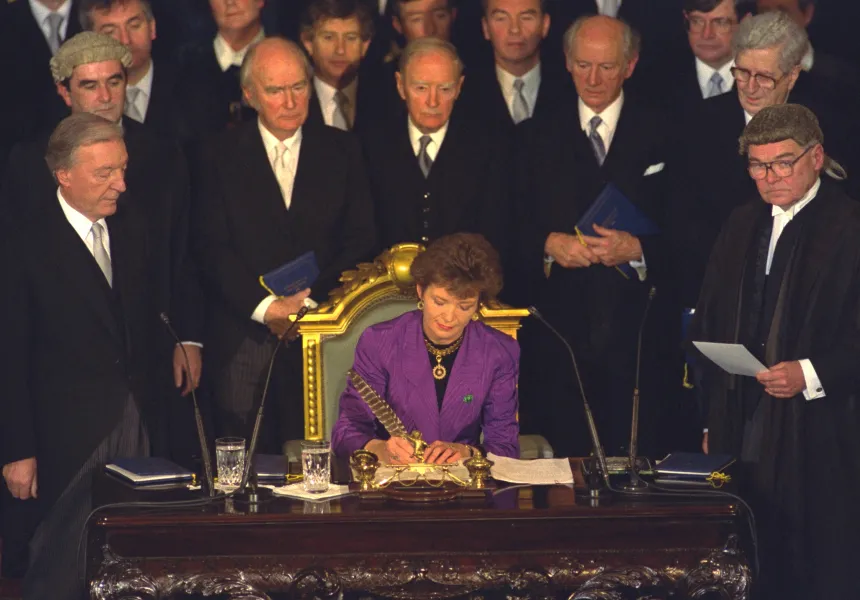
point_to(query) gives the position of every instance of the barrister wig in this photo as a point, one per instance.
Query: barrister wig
(85, 48)
(464, 264)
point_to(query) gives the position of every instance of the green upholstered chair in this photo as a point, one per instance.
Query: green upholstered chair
(372, 293)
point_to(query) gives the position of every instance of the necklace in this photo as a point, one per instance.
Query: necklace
(439, 371)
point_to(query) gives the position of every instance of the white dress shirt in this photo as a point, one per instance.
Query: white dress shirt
(227, 57)
(608, 7)
(705, 72)
(144, 86)
(328, 105)
(271, 143)
(609, 116)
(382, 5)
(531, 85)
(83, 226)
(436, 139)
(781, 218)
(41, 12)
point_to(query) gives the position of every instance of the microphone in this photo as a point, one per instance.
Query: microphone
(201, 433)
(636, 484)
(283, 340)
(589, 417)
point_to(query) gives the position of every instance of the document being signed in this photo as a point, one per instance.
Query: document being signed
(732, 358)
(540, 471)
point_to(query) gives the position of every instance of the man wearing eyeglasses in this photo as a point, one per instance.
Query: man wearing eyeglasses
(784, 281)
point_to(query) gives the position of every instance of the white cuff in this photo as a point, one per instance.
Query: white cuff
(641, 268)
(814, 389)
(198, 344)
(259, 314)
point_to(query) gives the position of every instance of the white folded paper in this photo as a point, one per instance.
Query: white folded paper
(540, 471)
(732, 358)
(297, 490)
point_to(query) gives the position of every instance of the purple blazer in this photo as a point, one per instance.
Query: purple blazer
(481, 395)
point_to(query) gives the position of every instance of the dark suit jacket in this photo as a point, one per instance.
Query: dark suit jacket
(242, 229)
(24, 61)
(169, 114)
(482, 96)
(366, 106)
(467, 189)
(75, 347)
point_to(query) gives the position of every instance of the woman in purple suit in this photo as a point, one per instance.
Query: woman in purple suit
(442, 371)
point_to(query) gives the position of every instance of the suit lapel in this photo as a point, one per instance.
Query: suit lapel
(467, 372)
(421, 399)
(253, 165)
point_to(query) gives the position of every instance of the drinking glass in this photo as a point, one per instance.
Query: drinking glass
(230, 457)
(316, 465)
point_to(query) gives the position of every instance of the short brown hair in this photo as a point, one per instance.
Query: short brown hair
(74, 132)
(323, 10)
(464, 264)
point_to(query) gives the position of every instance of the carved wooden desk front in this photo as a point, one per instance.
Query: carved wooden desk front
(527, 542)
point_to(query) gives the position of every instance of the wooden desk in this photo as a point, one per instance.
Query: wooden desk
(535, 542)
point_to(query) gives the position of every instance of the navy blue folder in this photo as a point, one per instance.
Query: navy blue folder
(148, 470)
(293, 277)
(691, 465)
(270, 466)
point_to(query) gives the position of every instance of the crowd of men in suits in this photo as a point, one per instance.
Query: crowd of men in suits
(343, 127)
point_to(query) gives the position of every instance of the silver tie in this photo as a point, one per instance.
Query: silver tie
(715, 85)
(131, 109)
(284, 172)
(424, 160)
(55, 20)
(596, 140)
(520, 106)
(100, 254)
(341, 110)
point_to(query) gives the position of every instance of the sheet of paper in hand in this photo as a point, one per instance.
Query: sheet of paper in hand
(735, 359)
(292, 277)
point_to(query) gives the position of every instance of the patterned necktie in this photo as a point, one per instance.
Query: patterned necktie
(283, 172)
(340, 118)
(131, 109)
(715, 85)
(520, 107)
(596, 140)
(100, 254)
(424, 160)
(54, 22)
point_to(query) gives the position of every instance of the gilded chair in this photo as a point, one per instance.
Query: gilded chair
(372, 293)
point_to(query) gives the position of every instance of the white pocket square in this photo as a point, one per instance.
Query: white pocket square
(654, 169)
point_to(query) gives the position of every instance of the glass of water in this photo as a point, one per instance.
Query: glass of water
(230, 456)
(316, 465)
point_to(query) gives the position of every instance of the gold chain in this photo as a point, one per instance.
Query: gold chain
(439, 371)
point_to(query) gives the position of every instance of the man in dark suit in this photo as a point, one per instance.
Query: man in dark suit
(156, 100)
(577, 281)
(268, 192)
(75, 369)
(519, 84)
(211, 71)
(337, 34)
(30, 33)
(434, 172)
(89, 70)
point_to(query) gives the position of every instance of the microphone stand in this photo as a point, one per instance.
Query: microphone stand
(635, 484)
(201, 432)
(597, 448)
(248, 492)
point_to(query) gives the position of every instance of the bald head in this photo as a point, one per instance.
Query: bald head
(276, 77)
(601, 54)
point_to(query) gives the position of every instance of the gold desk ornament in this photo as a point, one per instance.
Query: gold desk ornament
(418, 444)
(479, 471)
(365, 464)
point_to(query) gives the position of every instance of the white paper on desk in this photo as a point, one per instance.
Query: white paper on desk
(540, 471)
(733, 358)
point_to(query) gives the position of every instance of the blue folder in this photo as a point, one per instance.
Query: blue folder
(690, 465)
(293, 277)
(148, 470)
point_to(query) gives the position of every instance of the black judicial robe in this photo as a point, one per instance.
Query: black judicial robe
(805, 482)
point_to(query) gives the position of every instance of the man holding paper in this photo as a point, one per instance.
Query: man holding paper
(784, 281)
(590, 281)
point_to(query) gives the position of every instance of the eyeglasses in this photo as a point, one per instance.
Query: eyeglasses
(780, 168)
(720, 24)
(764, 81)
